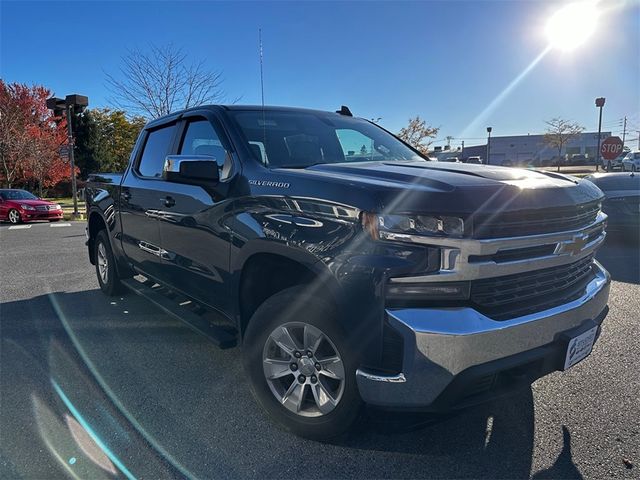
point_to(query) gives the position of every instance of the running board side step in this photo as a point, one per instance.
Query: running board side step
(218, 335)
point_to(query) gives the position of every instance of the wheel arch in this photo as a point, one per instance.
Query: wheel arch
(95, 223)
(264, 270)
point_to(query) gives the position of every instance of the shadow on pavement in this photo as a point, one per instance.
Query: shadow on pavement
(167, 402)
(563, 466)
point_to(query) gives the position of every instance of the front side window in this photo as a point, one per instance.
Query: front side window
(200, 138)
(155, 151)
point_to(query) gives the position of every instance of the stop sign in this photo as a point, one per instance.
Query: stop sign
(611, 148)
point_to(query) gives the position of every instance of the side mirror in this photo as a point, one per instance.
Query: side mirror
(191, 169)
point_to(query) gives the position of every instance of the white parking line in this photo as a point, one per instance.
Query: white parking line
(19, 227)
(54, 225)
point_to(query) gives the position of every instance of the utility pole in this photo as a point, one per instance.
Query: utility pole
(599, 104)
(624, 131)
(462, 153)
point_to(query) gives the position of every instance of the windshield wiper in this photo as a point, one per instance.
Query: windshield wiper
(300, 166)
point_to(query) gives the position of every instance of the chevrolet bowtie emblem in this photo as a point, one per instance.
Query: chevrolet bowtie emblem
(573, 246)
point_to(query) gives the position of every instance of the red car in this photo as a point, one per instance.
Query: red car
(19, 206)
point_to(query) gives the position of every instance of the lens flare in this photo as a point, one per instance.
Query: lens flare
(572, 25)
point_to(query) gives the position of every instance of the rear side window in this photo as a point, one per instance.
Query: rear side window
(156, 148)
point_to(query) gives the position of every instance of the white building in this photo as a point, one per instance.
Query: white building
(531, 149)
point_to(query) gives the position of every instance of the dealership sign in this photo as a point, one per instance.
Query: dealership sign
(611, 148)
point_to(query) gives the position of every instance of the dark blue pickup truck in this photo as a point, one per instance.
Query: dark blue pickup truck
(348, 267)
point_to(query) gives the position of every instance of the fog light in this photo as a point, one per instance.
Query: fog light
(427, 291)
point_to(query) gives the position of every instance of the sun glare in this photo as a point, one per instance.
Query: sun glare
(572, 25)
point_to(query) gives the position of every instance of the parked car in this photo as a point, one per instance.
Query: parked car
(17, 206)
(451, 159)
(385, 279)
(579, 159)
(631, 162)
(474, 160)
(615, 164)
(622, 201)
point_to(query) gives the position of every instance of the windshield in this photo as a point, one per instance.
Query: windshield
(17, 195)
(300, 139)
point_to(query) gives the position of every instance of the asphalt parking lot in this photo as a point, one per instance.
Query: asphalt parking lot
(79, 369)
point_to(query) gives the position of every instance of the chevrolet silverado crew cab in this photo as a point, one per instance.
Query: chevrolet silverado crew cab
(349, 268)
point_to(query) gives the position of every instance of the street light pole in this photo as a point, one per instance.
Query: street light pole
(74, 190)
(599, 103)
(489, 145)
(58, 105)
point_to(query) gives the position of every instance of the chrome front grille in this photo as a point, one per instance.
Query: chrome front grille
(512, 296)
(44, 208)
(534, 222)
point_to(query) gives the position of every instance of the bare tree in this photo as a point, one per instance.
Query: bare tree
(162, 80)
(418, 134)
(560, 132)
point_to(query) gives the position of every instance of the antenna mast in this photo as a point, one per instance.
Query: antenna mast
(261, 74)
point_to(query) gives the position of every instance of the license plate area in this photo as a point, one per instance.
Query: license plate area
(579, 346)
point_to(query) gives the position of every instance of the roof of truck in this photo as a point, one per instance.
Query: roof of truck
(270, 108)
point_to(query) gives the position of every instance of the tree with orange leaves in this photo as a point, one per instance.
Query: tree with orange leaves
(30, 138)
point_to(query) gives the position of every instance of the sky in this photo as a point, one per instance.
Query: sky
(447, 61)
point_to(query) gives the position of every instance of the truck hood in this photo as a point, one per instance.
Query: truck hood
(422, 186)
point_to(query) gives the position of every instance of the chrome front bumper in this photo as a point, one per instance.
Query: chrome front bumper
(442, 343)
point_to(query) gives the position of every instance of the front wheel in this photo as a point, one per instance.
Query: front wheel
(300, 365)
(106, 266)
(14, 216)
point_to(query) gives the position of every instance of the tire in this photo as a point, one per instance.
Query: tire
(329, 399)
(14, 216)
(106, 266)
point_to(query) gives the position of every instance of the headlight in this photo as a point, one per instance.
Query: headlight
(434, 225)
(57, 207)
(27, 207)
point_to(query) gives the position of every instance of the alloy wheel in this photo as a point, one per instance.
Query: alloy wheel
(303, 369)
(14, 216)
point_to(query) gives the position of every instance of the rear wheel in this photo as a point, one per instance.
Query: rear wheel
(300, 366)
(14, 216)
(105, 265)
